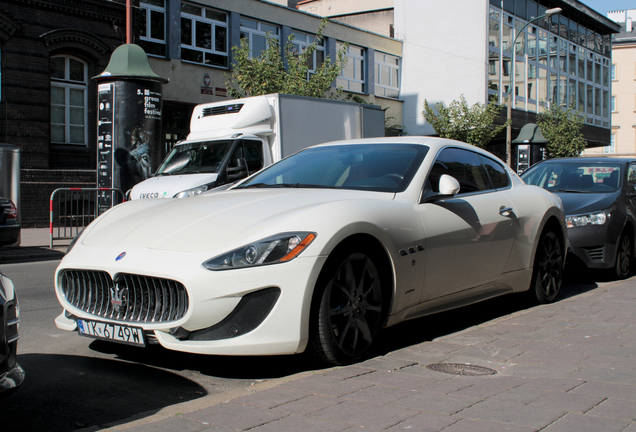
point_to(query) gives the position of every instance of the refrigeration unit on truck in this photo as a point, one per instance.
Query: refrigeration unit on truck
(232, 139)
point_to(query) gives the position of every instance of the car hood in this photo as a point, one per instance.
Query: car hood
(169, 185)
(577, 203)
(208, 222)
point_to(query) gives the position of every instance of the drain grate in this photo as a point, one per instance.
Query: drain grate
(461, 369)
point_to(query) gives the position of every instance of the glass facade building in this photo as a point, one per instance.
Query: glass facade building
(561, 59)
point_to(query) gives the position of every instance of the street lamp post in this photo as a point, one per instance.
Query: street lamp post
(511, 85)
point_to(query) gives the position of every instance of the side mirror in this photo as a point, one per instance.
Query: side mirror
(238, 172)
(448, 186)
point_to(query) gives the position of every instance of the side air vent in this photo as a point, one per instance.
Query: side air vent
(220, 110)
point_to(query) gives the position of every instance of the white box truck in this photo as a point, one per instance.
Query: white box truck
(233, 139)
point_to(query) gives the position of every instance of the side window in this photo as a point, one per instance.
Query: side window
(464, 166)
(253, 153)
(631, 176)
(497, 173)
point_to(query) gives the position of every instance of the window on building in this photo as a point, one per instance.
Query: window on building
(352, 76)
(68, 100)
(613, 72)
(611, 149)
(204, 35)
(152, 32)
(300, 44)
(494, 31)
(387, 75)
(256, 34)
(613, 104)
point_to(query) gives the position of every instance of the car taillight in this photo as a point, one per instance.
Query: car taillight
(13, 212)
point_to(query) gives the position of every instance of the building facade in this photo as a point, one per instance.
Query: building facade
(466, 48)
(623, 95)
(49, 50)
(191, 43)
(563, 60)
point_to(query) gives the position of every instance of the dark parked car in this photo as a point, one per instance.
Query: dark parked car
(598, 196)
(11, 374)
(9, 226)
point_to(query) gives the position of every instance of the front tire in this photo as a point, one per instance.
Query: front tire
(548, 269)
(348, 308)
(624, 256)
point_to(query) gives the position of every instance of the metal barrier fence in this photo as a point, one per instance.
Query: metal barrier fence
(75, 209)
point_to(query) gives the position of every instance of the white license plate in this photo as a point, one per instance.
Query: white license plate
(111, 332)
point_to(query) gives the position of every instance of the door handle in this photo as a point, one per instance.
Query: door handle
(505, 211)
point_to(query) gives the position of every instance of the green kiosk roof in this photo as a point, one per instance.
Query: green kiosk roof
(129, 61)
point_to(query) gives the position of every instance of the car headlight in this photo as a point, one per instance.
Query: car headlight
(271, 250)
(191, 192)
(596, 218)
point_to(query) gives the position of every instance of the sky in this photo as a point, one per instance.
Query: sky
(604, 6)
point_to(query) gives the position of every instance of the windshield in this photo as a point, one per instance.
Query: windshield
(198, 157)
(575, 177)
(373, 167)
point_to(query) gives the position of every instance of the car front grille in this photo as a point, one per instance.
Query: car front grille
(129, 298)
(596, 253)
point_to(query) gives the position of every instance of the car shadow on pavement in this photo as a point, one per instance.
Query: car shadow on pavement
(397, 337)
(233, 367)
(65, 392)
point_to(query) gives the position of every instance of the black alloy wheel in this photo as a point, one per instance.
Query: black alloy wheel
(348, 309)
(624, 256)
(548, 269)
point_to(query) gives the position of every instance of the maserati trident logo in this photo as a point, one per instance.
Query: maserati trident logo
(118, 297)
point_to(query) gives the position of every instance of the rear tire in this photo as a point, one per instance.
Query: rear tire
(624, 256)
(548, 269)
(348, 307)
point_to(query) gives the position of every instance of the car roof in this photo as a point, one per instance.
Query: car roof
(590, 160)
(434, 143)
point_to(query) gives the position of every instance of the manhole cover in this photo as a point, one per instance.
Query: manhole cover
(461, 369)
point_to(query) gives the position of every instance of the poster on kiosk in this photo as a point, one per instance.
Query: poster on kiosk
(129, 97)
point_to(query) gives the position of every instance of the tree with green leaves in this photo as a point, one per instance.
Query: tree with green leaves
(267, 72)
(562, 126)
(471, 124)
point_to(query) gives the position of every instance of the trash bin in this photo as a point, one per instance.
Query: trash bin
(10, 189)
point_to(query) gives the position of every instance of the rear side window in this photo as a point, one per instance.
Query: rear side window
(465, 166)
(497, 173)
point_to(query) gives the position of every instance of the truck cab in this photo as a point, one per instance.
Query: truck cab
(193, 167)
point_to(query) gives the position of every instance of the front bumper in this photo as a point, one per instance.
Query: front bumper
(592, 246)
(253, 311)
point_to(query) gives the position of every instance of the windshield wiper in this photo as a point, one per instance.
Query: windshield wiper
(571, 191)
(285, 185)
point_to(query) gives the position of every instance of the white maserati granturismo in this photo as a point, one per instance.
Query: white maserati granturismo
(319, 251)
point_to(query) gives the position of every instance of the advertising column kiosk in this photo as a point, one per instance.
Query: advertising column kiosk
(129, 136)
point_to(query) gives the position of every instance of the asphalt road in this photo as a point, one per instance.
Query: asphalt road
(74, 382)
